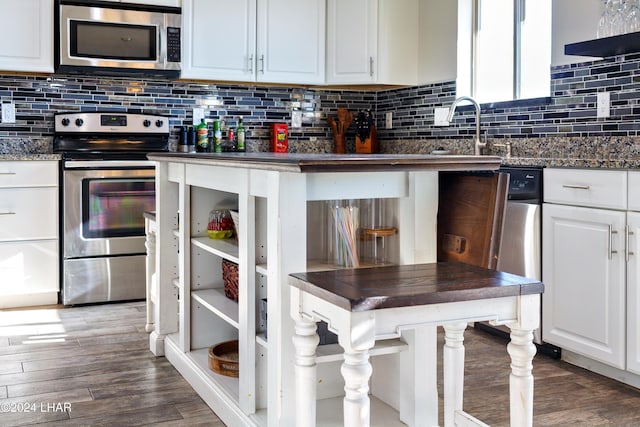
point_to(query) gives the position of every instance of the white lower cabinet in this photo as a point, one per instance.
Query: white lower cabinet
(29, 253)
(584, 277)
(633, 292)
(591, 272)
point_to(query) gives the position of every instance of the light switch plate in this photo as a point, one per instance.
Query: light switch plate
(296, 119)
(198, 114)
(604, 105)
(388, 120)
(8, 113)
(440, 116)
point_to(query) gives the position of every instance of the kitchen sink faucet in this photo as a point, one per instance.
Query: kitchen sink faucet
(478, 145)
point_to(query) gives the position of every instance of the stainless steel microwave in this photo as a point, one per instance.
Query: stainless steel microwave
(117, 39)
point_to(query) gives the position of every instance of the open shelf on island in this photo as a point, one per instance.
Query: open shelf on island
(333, 352)
(216, 301)
(330, 413)
(224, 248)
(320, 265)
(261, 339)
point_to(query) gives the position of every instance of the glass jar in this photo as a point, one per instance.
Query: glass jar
(220, 224)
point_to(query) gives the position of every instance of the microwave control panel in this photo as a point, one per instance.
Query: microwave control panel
(173, 44)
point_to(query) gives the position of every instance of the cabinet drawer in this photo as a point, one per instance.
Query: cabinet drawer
(596, 188)
(28, 174)
(28, 213)
(29, 267)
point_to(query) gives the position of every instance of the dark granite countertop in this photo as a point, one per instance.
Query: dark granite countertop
(29, 156)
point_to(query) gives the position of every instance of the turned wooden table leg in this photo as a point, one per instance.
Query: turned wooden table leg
(305, 342)
(356, 371)
(453, 370)
(521, 350)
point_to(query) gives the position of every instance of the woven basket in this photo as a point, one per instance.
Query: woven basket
(230, 279)
(223, 358)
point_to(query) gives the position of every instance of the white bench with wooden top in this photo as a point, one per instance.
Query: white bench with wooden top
(367, 304)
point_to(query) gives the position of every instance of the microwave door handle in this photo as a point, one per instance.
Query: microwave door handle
(163, 52)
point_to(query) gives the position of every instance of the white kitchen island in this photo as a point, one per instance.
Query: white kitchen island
(279, 198)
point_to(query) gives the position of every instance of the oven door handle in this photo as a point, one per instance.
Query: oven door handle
(83, 164)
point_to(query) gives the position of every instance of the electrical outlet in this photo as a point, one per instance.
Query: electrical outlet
(8, 113)
(441, 116)
(604, 105)
(198, 114)
(296, 119)
(388, 120)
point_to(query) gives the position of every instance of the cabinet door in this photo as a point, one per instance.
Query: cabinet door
(291, 40)
(583, 266)
(352, 41)
(219, 39)
(27, 35)
(633, 292)
(373, 41)
(29, 267)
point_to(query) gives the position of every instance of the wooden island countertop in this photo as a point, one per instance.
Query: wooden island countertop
(311, 162)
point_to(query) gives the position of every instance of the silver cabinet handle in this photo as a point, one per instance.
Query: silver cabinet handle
(371, 66)
(576, 186)
(611, 233)
(7, 173)
(7, 213)
(251, 64)
(628, 251)
(262, 63)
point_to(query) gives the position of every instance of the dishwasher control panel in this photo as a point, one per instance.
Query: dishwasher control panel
(525, 183)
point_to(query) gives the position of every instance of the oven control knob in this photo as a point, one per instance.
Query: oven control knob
(65, 122)
(159, 123)
(79, 122)
(146, 123)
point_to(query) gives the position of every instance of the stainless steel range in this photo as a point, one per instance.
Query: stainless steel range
(106, 185)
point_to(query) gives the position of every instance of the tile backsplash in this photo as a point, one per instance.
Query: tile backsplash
(569, 113)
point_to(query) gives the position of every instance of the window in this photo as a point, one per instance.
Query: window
(504, 49)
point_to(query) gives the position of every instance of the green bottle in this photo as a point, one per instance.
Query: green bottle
(202, 137)
(240, 134)
(217, 137)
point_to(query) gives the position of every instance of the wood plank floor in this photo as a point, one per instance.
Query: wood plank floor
(91, 366)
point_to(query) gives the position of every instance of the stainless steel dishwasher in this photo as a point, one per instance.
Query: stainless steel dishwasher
(521, 244)
(520, 247)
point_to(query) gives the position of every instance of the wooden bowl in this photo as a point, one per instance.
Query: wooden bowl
(223, 358)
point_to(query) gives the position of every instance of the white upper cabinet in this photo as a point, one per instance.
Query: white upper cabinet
(372, 41)
(291, 41)
(280, 41)
(219, 39)
(26, 29)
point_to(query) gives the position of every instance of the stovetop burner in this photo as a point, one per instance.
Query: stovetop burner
(105, 135)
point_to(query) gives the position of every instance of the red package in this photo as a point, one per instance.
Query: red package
(279, 138)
